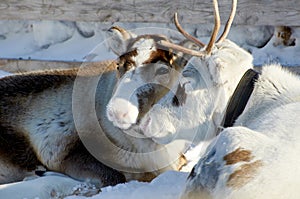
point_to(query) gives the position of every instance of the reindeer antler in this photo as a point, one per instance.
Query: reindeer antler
(186, 34)
(213, 37)
(229, 22)
(185, 50)
(216, 28)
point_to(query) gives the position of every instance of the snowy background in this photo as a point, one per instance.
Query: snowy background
(79, 41)
(70, 41)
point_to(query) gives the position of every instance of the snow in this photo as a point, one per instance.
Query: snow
(49, 40)
(80, 41)
(52, 185)
(285, 55)
(4, 73)
(167, 186)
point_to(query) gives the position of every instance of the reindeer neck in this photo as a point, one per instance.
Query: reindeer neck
(207, 103)
(276, 87)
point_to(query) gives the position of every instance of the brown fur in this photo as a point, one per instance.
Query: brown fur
(18, 147)
(37, 81)
(244, 174)
(126, 63)
(89, 166)
(147, 177)
(122, 31)
(182, 162)
(160, 55)
(283, 34)
(20, 91)
(18, 94)
(239, 155)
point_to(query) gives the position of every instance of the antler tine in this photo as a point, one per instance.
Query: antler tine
(186, 34)
(168, 44)
(229, 22)
(216, 28)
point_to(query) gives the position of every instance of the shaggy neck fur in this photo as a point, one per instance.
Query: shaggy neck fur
(256, 158)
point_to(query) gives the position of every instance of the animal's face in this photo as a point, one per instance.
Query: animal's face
(204, 84)
(137, 90)
(203, 90)
(145, 72)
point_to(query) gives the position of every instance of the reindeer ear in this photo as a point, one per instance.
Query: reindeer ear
(118, 39)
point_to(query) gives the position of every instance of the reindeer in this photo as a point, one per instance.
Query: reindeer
(39, 124)
(252, 114)
(206, 84)
(37, 127)
(142, 84)
(139, 86)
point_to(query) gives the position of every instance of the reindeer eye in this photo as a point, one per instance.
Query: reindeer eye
(189, 71)
(162, 71)
(128, 65)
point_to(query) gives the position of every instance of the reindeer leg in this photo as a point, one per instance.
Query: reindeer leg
(10, 172)
(80, 164)
(17, 157)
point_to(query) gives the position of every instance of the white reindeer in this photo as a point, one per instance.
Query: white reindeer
(202, 92)
(256, 153)
(41, 121)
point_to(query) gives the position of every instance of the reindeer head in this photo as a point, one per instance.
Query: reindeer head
(203, 90)
(145, 70)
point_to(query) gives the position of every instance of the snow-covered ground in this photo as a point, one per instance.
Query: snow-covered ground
(168, 185)
(4, 73)
(67, 41)
(70, 41)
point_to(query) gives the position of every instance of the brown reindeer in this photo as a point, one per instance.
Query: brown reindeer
(38, 128)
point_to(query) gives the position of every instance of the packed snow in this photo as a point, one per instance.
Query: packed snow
(81, 41)
(168, 185)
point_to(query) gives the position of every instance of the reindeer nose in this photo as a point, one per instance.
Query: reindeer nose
(122, 113)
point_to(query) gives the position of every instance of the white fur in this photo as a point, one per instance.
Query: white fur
(130, 153)
(123, 114)
(123, 107)
(119, 40)
(210, 90)
(269, 129)
(209, 83)
(134, 153)
(145, 47)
